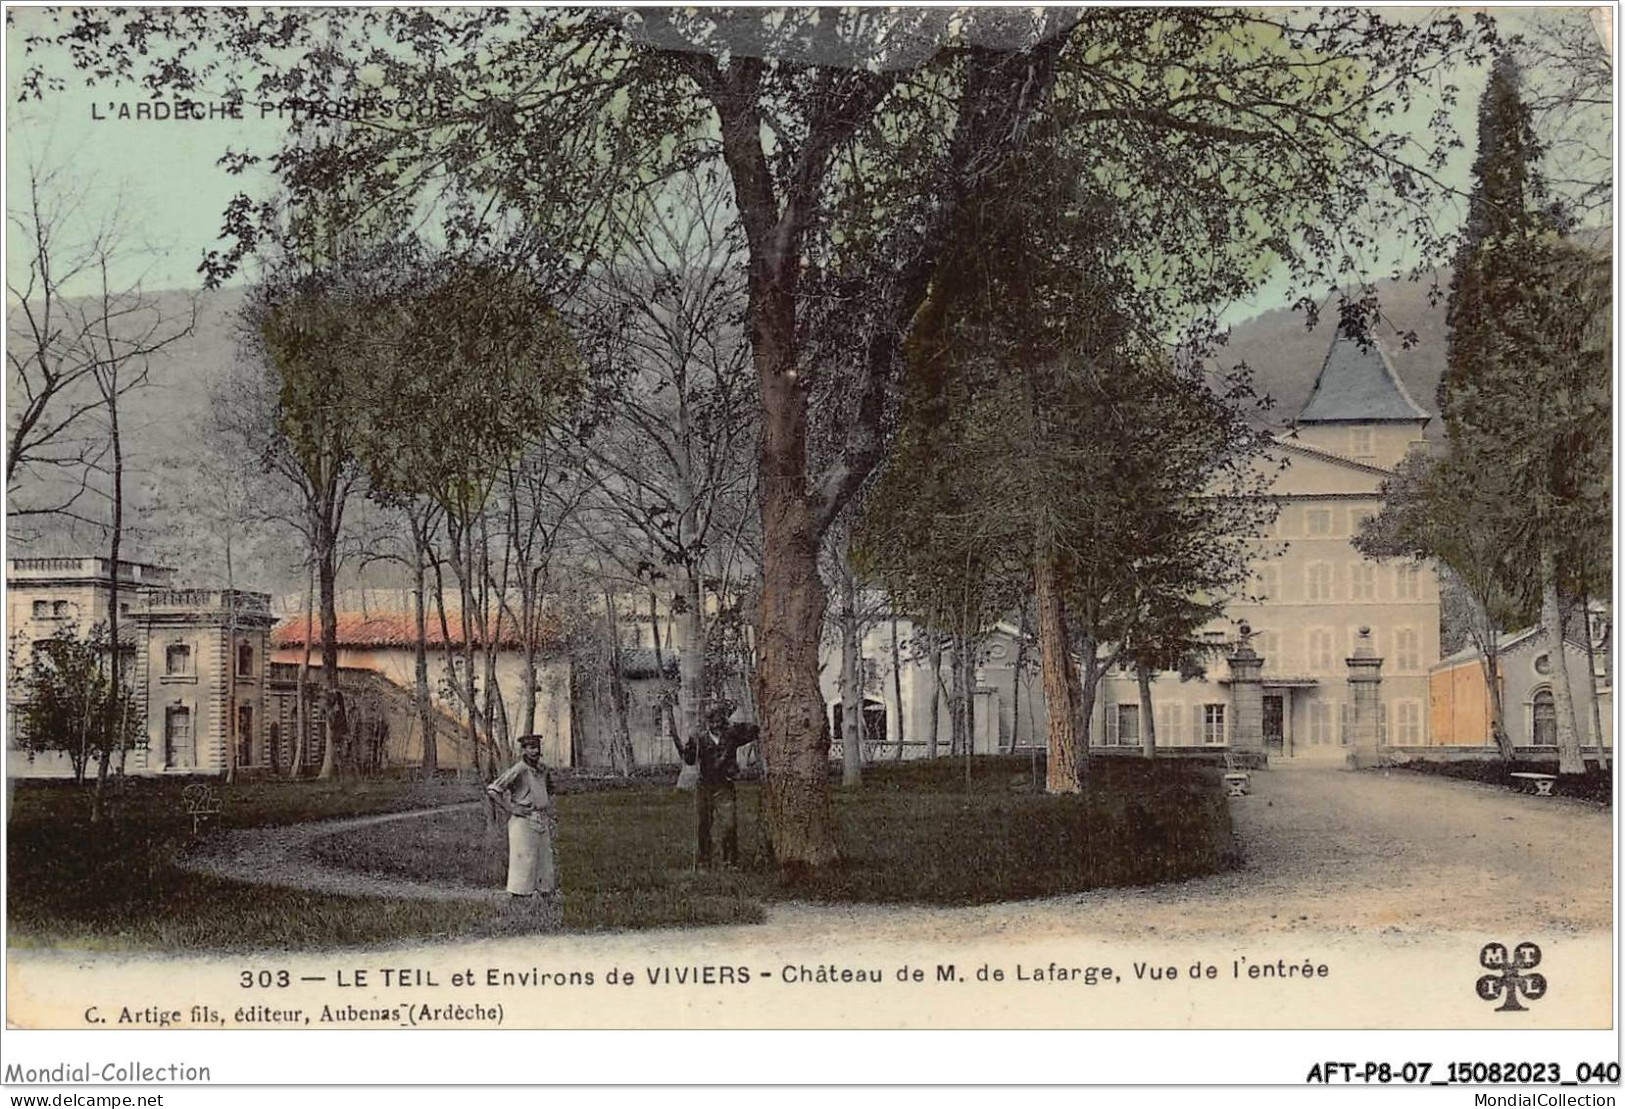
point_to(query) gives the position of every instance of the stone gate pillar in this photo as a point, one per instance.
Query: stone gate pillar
(1246, 695)
(1365, 682)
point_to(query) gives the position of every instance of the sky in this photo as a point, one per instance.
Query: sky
(164, 176)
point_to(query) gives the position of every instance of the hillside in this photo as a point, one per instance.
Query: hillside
(1284, 355)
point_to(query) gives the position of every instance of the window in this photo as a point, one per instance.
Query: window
(179, 750)
(245, 660)
(1267, 583)
(177, 659)
(42, 610)
(1407, 649)
(1408, 583)
(1321, 651)
(1320, 723)
(1213, 724)
(1169, 716)
(245, 735)
(1543, 664)
(1408, 722)
(1317, 521)
(1360, 442)
(1363, 582)
(1318, 581)
(59, 609)
(1544, 720)
(1123, 726)
(1268, 646)
(869, 673)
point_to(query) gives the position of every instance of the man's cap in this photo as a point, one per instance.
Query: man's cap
(531, 741)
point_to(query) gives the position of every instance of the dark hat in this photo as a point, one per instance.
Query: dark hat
(531, 741)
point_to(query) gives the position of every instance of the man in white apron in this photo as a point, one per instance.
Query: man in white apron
(522, 790)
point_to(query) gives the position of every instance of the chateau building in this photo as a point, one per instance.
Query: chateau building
(1312, 593)
(196, 659)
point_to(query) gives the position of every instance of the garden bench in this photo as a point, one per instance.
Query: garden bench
(201, 803)
(1541, 782)
(1236, 780)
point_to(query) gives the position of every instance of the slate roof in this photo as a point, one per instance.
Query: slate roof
(1357, 384)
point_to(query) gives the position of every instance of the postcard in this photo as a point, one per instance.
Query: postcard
(975, 518)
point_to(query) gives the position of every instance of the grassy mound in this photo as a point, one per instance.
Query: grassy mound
(910, 834)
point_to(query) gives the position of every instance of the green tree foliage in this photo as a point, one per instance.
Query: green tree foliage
(478, 368)
(1526, 396)
(323, 331)
(1046, 439)
(851, 139)
(69, 703)
(1432, 511)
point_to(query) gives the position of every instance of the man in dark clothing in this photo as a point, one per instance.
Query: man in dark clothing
(715, 752)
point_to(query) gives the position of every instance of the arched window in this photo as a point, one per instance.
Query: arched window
(1544, 724)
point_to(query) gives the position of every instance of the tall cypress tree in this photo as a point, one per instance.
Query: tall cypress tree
(1525, 393)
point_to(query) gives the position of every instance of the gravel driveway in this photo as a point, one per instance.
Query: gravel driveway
(1332, 851)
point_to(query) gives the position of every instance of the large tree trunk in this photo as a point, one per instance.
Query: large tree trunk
(1088, 693)
(1498, 716)
(688, 632)
(420, 646)
(115, 542)
(795, 789)
(958, 740)
(1569, 759)
(1065, 766)
(851, 683)
(301, 708)
(897, 687)
(621, 755)
(233, 740)
(1591, 683)
(463, 564)
(1148, 720)
(1015, 678)
(936, 696)
(335, 723)
(491, 636)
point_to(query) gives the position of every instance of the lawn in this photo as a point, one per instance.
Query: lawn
(910, 834)
(113, 885)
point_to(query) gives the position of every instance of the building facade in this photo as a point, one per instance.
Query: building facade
(195, 659)
(384, 643)
(1460, 702)
(1312, 591)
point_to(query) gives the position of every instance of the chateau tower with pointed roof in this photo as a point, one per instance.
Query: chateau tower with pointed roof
(1321, 614)
(1359, 408)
